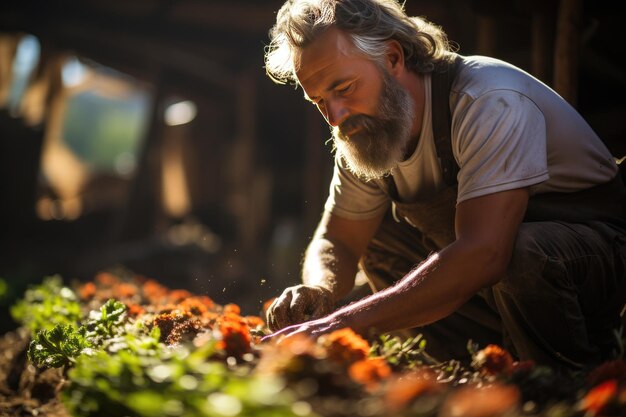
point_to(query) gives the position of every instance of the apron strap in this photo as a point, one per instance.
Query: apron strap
(441, 83)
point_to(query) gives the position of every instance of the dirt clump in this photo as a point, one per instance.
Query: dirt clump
(25, 390)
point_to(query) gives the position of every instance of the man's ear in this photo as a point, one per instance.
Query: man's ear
(394, 57)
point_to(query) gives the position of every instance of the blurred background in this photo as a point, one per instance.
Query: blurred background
(144, 134)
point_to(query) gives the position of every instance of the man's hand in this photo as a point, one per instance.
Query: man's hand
(298, 304)
(313, 328)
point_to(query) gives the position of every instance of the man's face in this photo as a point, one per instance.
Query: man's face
(371, 114)
(378, 142)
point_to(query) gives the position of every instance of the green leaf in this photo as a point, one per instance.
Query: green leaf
(106, 323)
(57, 347)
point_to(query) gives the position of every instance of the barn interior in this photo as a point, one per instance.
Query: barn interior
(145, 135)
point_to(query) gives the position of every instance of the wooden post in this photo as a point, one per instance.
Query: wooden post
(542, 49)
(486, 37)
(567, 48)
(144, 211)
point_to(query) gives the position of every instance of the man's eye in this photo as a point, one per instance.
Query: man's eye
(348, 88)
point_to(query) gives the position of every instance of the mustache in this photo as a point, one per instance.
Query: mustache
(366, 124)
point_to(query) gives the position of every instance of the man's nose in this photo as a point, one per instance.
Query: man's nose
(336, 113)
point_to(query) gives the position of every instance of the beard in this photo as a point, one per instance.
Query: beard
(380, 141)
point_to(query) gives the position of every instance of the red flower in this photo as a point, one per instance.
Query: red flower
(599, 396)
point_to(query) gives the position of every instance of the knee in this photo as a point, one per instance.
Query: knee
(529, 261)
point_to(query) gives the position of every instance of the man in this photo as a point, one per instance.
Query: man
(525, 246)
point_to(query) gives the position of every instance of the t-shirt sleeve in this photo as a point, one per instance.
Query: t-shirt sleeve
(500, 144)
(352, 198)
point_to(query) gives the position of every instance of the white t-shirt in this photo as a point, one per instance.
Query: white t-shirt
(509, 130)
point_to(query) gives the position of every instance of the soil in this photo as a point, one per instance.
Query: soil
(24, 390)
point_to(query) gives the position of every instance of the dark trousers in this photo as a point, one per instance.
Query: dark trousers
(557, 304)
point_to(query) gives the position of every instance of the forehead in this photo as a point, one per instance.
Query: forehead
(327, 59)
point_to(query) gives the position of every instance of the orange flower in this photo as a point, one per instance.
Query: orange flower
(106, 279)
(404, 389)
(125, 290)
(203, 299)
(253, 321)
(236, 337)
(209, 316)
(493, 360)
(154, 291)
(599, 396)
(193, 305)
(135, 310)
(344, 345)
(176, 296)
(475, 401)
(292, 356)
(232, 308)
(87, 291)
(369, 372)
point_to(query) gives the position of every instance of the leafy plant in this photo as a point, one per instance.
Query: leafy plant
(405, 354)
(58, 347)
(106, 322)
(173, 382)
(63, 344)
(47, 305)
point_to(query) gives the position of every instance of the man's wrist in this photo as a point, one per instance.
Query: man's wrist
(343, 318)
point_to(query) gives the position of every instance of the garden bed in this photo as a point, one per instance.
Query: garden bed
(125, 345)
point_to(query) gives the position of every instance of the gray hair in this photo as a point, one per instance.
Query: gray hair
(369, 23)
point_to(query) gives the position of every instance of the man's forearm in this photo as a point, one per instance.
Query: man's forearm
(430, 292)
(330, 265)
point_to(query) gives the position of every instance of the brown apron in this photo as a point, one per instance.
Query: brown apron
(411, 231)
